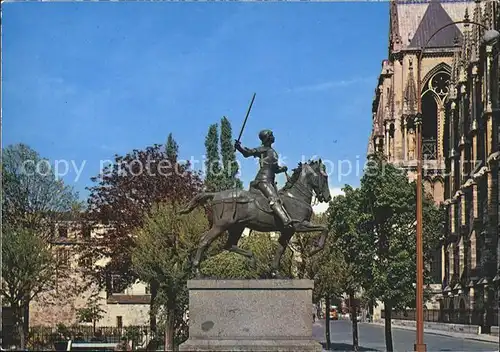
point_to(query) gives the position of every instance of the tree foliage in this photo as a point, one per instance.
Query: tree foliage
(92, 312)
(355, 246)
(325, 268)
(172, 148)
(221, 167)
(229, 265)
(303, 244)
(124, 194)
(33, 197)
(29, 268)
(328, 269)
(213, 169)
(229, 162)
(164, 247)
(388, 202)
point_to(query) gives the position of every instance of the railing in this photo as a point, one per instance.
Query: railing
(458, 316)
(429, 149)
(41, 337)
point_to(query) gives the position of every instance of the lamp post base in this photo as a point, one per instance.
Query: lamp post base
(419, 347)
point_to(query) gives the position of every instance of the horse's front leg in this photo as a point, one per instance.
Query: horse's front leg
(320, 243)
(283, 240)
(206, 240)
(307, 226)
(234, 235)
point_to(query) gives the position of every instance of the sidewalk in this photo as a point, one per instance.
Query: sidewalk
(459, 335)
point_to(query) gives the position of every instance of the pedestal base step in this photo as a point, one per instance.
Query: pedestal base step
(251, 345)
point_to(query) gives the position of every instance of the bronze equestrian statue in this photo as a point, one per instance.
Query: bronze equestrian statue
(234, 210)
(265, 179)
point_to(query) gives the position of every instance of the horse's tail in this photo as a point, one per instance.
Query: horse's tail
(199, 199)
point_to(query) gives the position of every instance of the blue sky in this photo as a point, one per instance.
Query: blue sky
(83, 81)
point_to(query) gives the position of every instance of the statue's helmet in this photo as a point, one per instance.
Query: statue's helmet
(265, 134)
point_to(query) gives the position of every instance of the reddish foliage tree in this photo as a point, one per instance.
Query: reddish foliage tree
(124, 194)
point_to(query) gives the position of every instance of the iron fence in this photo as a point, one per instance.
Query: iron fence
(457, 316)
(43, 338)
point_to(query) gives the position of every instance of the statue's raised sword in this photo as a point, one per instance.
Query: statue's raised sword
(246, 117)
(245, 122)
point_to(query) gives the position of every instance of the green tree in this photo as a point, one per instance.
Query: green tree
(344, 217)
(133, 333)
(33, 197)
(303, 245)
(328, 269)
(165, 244)
(264, 246)
(122, 195)
(213, 170)
(92, 312)
(388, 201)
(229, 265)
(324, 268)
(229, 162)
(172, 148)
(29, 267)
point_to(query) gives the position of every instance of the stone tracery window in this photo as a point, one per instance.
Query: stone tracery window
(439, 84)
(434, 94)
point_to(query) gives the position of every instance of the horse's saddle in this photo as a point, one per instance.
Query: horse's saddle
(252, 195)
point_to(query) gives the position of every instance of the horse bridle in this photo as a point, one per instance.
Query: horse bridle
(320, 183)
(306, 192)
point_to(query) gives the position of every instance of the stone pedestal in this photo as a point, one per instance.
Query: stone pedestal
(250, 315)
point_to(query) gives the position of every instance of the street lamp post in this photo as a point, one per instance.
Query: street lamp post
(489, 36)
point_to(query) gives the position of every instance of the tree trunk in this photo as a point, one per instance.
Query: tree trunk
(388, 330)
(327, 323)
(354, 320)
(170, 330)
(27, 313)
(22, 337)
(22, 326)
(152, 308)
(94, 322)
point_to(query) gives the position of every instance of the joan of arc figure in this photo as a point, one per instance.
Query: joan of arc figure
(265, 179)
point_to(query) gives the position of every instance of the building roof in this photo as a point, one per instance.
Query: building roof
(417, 20)
(129, 299)
(434, 18)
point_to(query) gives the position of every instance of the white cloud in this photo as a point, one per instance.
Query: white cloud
(322, 207)
(332, 84)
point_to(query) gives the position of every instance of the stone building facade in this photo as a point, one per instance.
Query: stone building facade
(471, 194)
(459, 92)
(121, 307)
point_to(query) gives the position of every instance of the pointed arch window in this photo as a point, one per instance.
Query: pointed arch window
(439, 84)
(434, 95)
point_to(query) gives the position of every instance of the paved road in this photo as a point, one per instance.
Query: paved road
(371, 338)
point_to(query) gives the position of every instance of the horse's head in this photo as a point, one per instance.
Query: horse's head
(318, 179)
(311, 175)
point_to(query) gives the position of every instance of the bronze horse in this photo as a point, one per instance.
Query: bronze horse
(234, 210)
